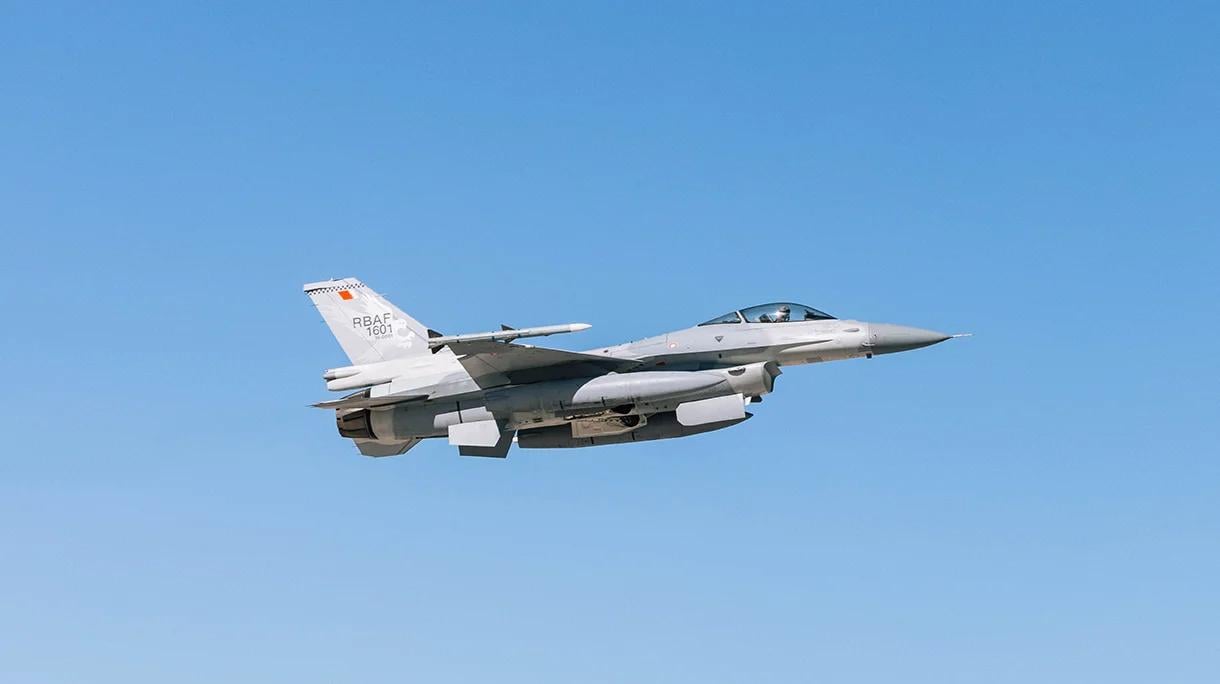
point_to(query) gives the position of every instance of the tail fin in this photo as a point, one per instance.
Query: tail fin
(369, 328)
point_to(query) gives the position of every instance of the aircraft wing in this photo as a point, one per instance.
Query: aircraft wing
(492, 364)
(362, 399)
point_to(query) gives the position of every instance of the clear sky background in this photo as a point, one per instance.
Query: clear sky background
(1037, 503)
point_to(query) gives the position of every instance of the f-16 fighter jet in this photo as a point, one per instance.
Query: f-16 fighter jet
(483, 391)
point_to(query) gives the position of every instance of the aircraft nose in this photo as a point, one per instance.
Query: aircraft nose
(887, 339)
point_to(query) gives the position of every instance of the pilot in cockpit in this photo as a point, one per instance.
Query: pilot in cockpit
(781, 315)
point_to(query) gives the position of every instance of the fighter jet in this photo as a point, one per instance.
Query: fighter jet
(483, 391)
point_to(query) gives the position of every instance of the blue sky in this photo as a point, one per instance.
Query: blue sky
(1037, 503)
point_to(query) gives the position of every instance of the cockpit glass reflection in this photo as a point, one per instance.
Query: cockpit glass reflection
(783, 312)
(778, 312)
(730, 317)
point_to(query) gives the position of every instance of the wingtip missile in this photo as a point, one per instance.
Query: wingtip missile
(507, 334)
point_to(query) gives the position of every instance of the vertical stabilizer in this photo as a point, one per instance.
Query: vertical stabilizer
(367, 326)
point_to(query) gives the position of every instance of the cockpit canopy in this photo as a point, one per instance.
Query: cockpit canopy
(778, 312)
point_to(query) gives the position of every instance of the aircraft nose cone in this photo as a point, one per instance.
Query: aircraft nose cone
(887, 338)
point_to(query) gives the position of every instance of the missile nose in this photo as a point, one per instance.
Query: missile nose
(885, 338)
